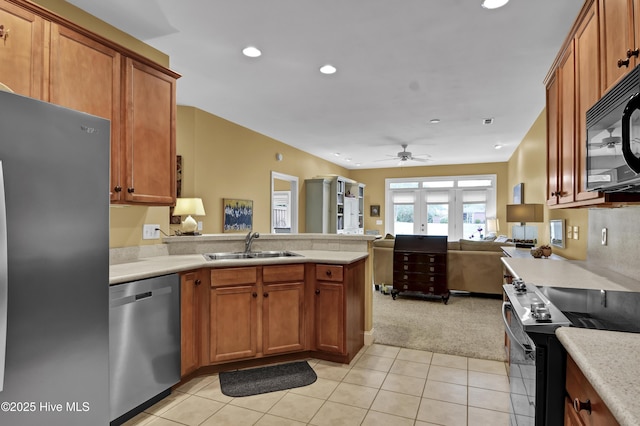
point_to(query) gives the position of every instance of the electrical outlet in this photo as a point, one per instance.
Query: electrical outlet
(576, 234)
(604, 236)
(150, 232)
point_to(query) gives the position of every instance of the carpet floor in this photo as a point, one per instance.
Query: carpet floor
(467, 326)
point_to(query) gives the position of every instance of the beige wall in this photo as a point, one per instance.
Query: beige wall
(528, 165)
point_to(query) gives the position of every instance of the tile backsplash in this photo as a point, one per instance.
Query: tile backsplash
(621, 254)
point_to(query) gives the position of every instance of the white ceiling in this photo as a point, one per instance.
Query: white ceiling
(400, 63)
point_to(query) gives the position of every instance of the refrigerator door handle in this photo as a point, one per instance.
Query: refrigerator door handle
(4, 279)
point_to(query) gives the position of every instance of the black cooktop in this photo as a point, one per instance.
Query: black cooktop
(585, 320)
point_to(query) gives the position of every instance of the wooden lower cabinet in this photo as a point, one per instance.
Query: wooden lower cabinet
(583, 405)
(192, 326)
(283, 313)
(256, 311)
(339, 310)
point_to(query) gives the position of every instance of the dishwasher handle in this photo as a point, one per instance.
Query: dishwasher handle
(528, 350)
(144, 295)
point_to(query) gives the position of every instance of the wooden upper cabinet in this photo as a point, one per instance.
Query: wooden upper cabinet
(566, 128)
(148, 135)
(553, 141)
(85, 76)
(21, 50)
(616, 39)
(588, 90)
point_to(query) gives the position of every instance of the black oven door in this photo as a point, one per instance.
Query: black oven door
(522, 369)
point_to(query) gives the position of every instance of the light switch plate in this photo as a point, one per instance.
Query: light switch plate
(150, 232)
(604, 236)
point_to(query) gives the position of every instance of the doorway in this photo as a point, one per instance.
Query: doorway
(284, 203)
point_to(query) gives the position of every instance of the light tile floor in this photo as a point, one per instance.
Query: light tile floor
(383, 385)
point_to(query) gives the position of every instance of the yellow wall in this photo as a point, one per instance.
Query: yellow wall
(224, 160)
(375, 189)
(528, 165)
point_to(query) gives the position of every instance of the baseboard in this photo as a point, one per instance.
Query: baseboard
(368, 337)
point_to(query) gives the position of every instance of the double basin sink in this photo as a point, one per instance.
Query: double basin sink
(248, 255)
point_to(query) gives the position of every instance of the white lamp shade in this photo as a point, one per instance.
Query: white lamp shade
(188, 206)
(492, 225)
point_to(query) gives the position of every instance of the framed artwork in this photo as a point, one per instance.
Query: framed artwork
(238, 215)
(518, 194)
(374, 210)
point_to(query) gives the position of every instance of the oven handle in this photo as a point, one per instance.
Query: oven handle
(525, 347)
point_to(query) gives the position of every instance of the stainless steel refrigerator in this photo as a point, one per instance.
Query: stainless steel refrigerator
(54, 265)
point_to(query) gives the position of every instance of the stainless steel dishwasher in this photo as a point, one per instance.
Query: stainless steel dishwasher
(144, 344)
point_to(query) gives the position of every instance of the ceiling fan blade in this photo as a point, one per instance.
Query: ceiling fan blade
(422, 160)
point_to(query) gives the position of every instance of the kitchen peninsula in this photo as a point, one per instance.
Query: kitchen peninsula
(314, 302)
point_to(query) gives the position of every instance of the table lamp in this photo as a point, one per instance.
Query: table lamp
(189, 206)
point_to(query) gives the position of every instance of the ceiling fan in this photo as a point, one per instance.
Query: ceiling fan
(608, 142)
(405, 155)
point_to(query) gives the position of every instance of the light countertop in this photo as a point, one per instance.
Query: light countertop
(147, 267)
(609, 360)
(568, 274)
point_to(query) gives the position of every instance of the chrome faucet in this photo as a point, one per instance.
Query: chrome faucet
(249, 239)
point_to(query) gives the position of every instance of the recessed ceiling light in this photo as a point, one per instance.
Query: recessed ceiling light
(434, 121)
(487, 121)
(328, 69)
(497, 146)
(337, 154)
(493, 4)
(251, 51)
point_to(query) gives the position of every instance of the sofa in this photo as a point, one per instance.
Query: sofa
(472, 266)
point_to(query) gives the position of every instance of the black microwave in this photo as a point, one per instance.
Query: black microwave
(613, 138)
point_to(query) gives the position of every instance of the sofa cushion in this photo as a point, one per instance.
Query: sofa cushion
(453, 245)
(482, 245)
(389, 243)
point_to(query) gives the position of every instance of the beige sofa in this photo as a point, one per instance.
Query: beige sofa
(472, 266)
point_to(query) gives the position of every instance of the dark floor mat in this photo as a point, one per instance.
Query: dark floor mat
(266, 379)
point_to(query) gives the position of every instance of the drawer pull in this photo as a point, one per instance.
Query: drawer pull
(579, 405)
(317, 291)
(328, 272)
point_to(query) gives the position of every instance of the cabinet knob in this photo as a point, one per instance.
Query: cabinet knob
(4, 33)
(130, 190)
(328, 272)
(265, 294)
(117, 189)
(198, 282)
(317, 291)
(634, 52)
(623, 63)
(579, 405)
(254, 294)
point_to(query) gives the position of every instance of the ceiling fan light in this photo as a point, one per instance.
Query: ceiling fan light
(493, 4)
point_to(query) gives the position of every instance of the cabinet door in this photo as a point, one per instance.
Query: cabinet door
(283, 317)
(21, 50)
(587, 61)
(566, 80)
(233, 318)
(329, 310)
(85, 76)
(553, 141)
(189, 322)
(149, 135)
(616, 37)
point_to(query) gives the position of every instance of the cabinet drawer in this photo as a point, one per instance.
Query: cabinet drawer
(329, 273)
(231, 276)
(427, 268)
(421, 258)
(280, 273)
(578, 387)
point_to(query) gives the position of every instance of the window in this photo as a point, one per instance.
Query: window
(453, 206)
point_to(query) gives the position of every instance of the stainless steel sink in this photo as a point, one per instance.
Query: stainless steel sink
(250, 255)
